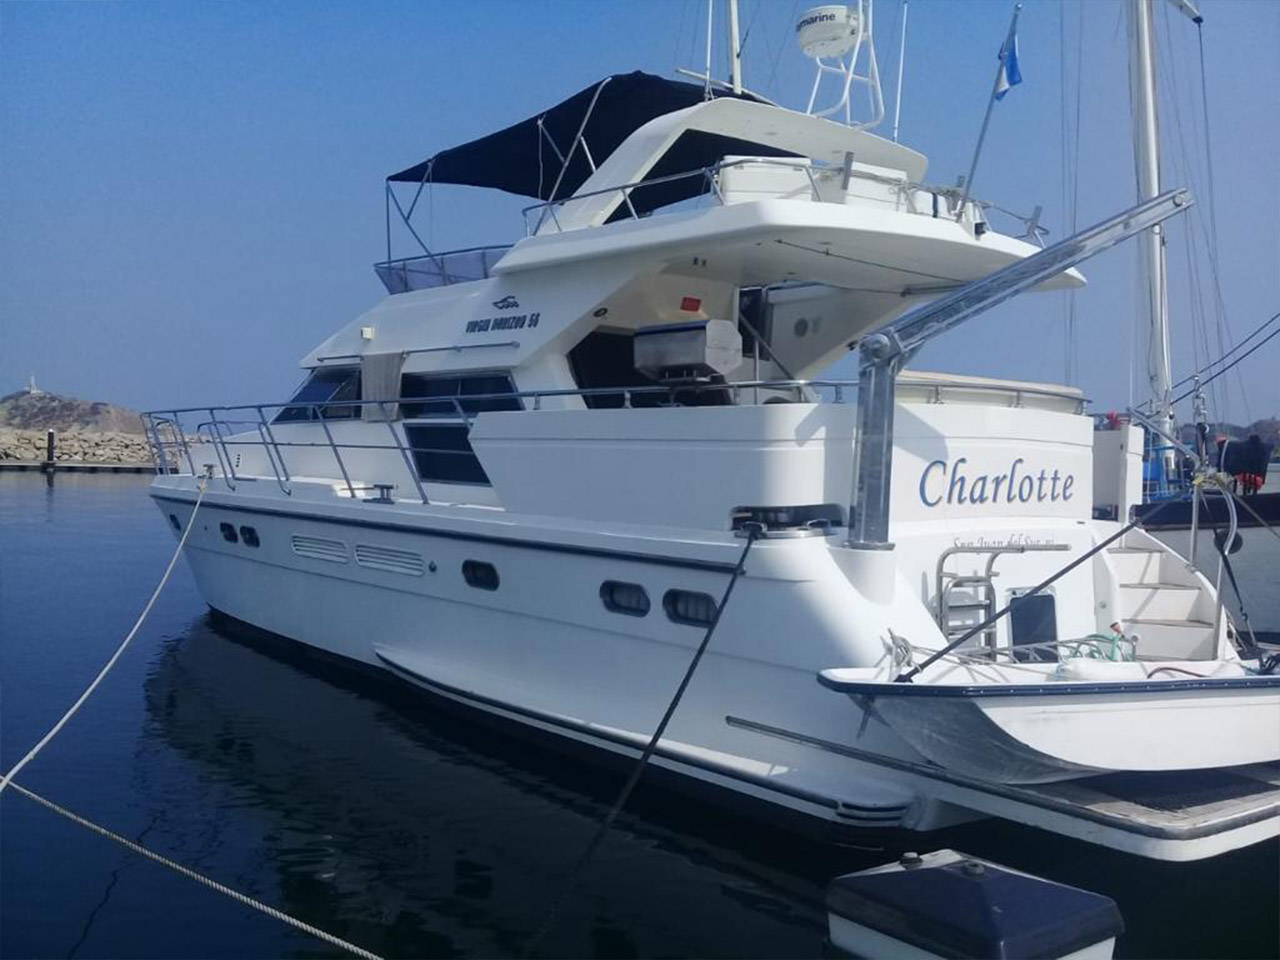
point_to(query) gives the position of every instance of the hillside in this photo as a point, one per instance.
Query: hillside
(38, 410)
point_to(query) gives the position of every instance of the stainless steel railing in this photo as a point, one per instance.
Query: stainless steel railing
(176, 436)
(431, 269)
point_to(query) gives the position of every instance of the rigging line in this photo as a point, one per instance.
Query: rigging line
(675, 52)
(1224, 556)
(1270, 320)
(1221, 320)
(1183, 161)
(773, 72)
(753, 532)
(1184, 164)
(1070, 167)
(7, 779)
(1210, 188)
(1243, 501)
(768, 44)
(742, 45)
(1208, 142)
(1238, 359)
(198, 877)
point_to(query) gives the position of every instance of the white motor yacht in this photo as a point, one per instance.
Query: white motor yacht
(535, 478)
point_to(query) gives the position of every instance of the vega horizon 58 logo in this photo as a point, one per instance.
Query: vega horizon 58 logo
(506, 303)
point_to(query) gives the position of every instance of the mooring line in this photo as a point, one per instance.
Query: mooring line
(226, 891)
(753, 533)
(57, 727)
(7, 779)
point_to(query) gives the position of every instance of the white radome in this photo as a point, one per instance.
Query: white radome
(827, 31)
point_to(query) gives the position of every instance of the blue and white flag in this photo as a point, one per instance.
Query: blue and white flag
(1010, 75)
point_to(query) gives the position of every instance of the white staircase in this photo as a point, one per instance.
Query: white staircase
(1161, 599)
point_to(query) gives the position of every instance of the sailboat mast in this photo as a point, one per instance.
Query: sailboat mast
(735, 49)
(1146, 155)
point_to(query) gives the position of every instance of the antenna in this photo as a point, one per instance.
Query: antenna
(840, 33)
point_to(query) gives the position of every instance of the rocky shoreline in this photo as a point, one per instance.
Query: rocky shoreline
(75, 446)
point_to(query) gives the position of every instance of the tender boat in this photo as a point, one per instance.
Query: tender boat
(528, 479)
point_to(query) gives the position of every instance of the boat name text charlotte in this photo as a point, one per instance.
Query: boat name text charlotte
(942, 480)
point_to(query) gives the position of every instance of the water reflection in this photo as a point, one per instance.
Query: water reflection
(415, 833)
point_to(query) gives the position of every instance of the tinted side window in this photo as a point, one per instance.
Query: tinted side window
(443, 452)
(454, 396)
(325, 383)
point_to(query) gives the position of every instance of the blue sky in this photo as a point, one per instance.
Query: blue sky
(191, 193)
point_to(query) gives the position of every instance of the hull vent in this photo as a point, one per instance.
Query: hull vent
(319, 548)
(393, 561)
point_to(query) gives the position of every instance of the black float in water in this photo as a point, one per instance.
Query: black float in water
(946, 904)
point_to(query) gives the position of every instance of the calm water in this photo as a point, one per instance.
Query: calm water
(356, 807)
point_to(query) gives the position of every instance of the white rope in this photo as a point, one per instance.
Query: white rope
(57, 727)
(7, 779)
(198, 878)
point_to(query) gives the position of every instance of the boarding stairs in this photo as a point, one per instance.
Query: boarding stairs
(1160, 599)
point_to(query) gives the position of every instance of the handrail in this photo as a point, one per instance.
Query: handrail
(838, 386)
(711, 171)
(259, 423)
(452, 348)
(655, 389)
(1034, 230)
(905, 379)
(436, 257)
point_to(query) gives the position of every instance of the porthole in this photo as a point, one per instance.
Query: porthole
(479, 574)
(250, 536)
(174, 522)
(685, 606)
(628, 598)
(228, 532)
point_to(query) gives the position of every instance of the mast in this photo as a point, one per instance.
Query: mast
(1146, 156)
(735, 49)
(902, 56)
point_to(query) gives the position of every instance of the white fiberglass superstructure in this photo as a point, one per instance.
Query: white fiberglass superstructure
(525, 480)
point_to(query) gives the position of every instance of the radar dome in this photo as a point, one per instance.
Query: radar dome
(827, 31)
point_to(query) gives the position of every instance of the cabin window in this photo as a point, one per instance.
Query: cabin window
(250, 536)
(479, 574)
(629, 598)
(442, 452)
(685, 606)
(453, 396)
(325, 383)
(228, 532)
(441, 447)
(173, 521)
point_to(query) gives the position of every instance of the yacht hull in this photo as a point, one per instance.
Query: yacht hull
(757, 728)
